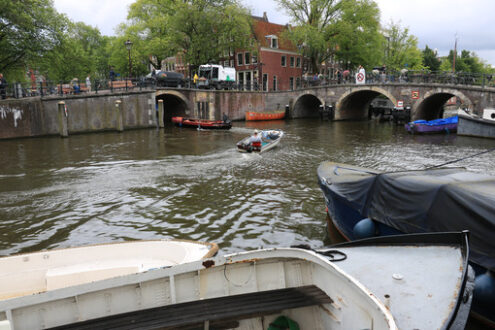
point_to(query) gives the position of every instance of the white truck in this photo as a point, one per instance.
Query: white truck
(214, 76)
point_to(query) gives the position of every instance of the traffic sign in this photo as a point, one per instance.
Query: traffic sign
(415, 95)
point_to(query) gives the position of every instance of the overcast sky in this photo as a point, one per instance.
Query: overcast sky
(435, 23)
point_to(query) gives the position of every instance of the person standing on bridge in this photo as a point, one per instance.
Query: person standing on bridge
(88, 83)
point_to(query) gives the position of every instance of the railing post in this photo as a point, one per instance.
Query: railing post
(62, 120)
(160, 119)
(119, 114)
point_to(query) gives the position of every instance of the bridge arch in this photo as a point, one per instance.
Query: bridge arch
(306, 105)
(354, 104)
(430, 105)
(174, 104)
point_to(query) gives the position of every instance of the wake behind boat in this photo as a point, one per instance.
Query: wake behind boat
(249, 290)
(363, 203)
(30, 273)
(270, 139)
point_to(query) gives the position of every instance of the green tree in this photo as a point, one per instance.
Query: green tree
(357, 34)
(28, 29)
(202, 30)
(401, 48)
(81, 51)
(345, 28)
(430, 59)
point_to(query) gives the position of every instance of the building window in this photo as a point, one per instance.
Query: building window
(298, 82)
(254, 59)
(265, 82)
(239, 59)
(274, 42)
(226, 63)
(274, 83)
(291, 83)
(232, 63)
(247, 58)
(298, 62)
(292, 61)
(284, 60)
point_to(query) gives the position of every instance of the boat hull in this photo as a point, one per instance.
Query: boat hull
(201, 123)
(392, 267)
(31, 273)
(479, 127)
(246, 290)
(271, 140)
(437, 126)
(253, 116)
(346, 214)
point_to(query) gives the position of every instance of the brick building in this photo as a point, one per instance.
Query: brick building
(275, 65)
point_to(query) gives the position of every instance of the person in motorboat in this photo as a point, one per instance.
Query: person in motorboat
(255, 141)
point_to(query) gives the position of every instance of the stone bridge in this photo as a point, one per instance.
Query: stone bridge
(36, 116)
(351, 102)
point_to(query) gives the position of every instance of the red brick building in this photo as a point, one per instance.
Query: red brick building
(276, 64)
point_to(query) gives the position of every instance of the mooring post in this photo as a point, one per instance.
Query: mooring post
(62, 119)
(119, 114)
(160, 119)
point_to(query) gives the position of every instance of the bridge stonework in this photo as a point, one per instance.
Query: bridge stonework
(37, 116)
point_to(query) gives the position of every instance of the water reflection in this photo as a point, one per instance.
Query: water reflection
(190, 184)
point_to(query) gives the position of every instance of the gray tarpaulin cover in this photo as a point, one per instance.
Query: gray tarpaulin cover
(447, 199)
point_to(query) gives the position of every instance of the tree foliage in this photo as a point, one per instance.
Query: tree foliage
(347, 29)
(466, 62)
(81, 51)
(28, 29)
(401, 48)
(430, 59)
(202, 30)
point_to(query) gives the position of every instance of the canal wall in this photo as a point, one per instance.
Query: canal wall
(64, 116)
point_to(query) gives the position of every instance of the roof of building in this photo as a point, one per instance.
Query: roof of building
(263, 28)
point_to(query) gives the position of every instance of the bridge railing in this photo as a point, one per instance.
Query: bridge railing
(45, 88)
(80, 87)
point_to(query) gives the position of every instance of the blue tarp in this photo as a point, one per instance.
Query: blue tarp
(437, 122)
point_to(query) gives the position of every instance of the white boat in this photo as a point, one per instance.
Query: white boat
(248, 290)
(30, 273)
(472, 125)
(270, 139)
(423, 279)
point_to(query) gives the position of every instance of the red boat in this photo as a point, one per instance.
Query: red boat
(252, 115)
(201, 123)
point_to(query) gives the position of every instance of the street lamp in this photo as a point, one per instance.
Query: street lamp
(128, 45)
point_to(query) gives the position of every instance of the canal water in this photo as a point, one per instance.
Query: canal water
(190, 184)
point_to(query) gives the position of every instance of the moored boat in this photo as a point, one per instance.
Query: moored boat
(270, 139)
(471, 125)
(269, 115)
(201, 123)
(30, 273)
(423, 279)
(363, 202)
(248, 290)
(442, 125)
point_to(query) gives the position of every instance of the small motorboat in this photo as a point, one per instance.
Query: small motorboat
(423, 279)
(270, 139)
(31, 273)
(472, 125)
(201, 123)
(269, 115)
(363, 203)
(442, 125)
(248, 290)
